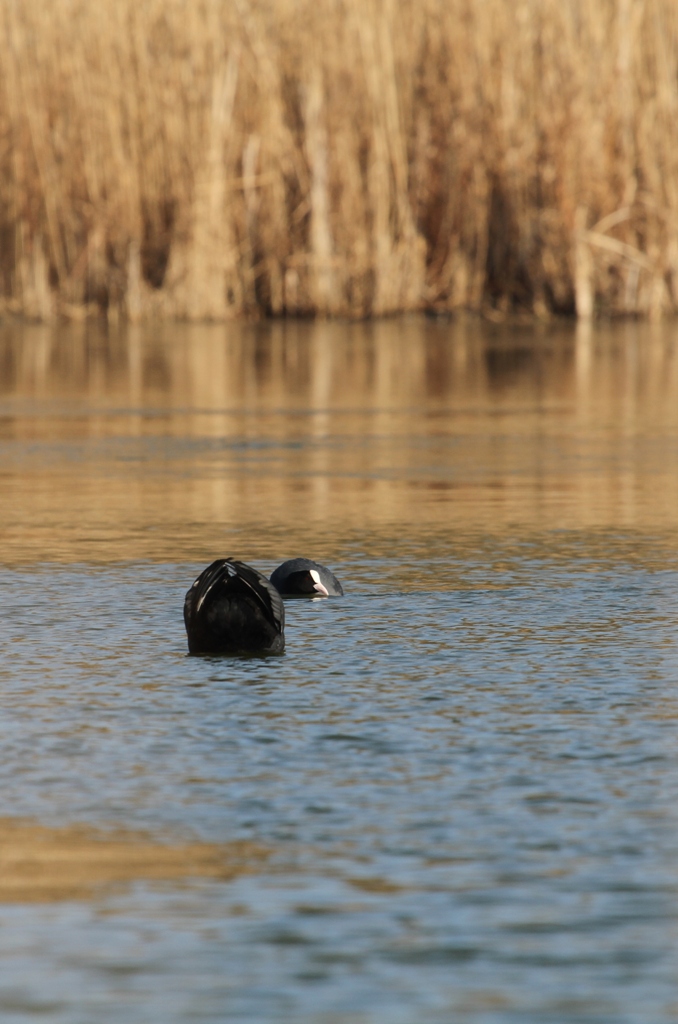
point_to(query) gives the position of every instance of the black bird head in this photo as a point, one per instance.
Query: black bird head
(300, 577)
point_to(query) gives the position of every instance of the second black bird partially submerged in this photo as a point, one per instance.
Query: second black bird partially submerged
(233, 609)
(301, 577)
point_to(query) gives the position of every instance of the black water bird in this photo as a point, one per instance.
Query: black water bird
(232, 609)
(300, 577)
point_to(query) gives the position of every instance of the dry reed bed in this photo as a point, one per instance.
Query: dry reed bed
(207, 159)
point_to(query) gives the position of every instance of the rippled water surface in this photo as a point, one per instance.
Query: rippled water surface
(461, 779)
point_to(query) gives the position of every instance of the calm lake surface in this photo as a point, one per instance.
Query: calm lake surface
(462, 777)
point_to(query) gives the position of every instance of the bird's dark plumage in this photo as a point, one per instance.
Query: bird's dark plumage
(232, 608)
(300, 577)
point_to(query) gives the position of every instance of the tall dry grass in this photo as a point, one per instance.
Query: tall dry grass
(209, 158)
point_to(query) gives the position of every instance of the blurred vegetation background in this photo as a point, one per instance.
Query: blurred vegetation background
(205, 159)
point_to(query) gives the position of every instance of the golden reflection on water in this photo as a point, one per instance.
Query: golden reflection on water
(40, 864)
(268, 440)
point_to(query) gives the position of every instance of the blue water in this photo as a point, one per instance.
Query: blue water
(466, 774)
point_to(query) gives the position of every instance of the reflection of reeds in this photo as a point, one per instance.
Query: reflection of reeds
(41, 864)
(208, 159)
(274, 440)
